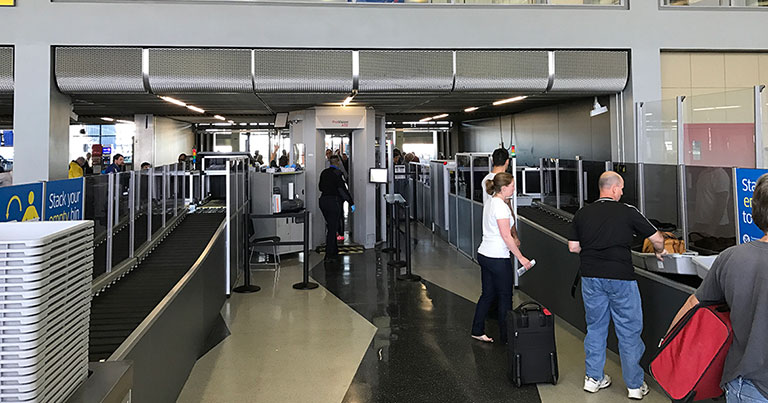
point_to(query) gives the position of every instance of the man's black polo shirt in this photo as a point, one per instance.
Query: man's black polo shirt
(604, 230)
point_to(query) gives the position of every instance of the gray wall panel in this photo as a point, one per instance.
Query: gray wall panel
(560, 131)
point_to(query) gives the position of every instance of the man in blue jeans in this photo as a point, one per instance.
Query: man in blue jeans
(602, 235)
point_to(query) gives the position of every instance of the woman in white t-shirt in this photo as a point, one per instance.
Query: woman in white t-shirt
(493, 255)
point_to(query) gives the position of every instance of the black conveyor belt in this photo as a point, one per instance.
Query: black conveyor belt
(121, 308)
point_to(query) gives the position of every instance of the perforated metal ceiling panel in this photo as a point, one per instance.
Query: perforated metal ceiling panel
(191, 70)
(590, 71)
(501, 71)
(406, 71)
(98, 70)
(6, 70)
(304, 71)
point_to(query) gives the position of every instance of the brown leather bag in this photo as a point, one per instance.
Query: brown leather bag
(672, 244)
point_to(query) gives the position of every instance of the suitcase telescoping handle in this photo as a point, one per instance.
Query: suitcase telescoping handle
(524, 307)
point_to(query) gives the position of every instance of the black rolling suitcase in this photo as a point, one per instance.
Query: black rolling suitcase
(531, 345)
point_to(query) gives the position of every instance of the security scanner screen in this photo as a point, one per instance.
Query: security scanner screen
(377, 175)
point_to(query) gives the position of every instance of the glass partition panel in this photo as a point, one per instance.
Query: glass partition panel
(629, 173)
(658, 144)
(452, 181)
(142, 208)
(720, 129)
(481, 167)
(157, 199)
(549, 192)
(764, 108)
(464, 176)
(569, 185)
(592, 172)
(661, 196)
(709, 208)
(96, 199)
(121, 232)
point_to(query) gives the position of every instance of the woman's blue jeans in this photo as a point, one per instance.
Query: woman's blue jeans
(498, 280)
(741, 390)
(618, 299)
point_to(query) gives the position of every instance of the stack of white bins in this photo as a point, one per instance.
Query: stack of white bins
(45, 302)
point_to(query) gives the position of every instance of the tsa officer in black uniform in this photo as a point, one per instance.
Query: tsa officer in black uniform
(334, 193)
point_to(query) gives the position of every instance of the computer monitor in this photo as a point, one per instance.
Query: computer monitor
(377, 175)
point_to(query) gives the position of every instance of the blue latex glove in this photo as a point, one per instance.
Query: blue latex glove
(352, 208)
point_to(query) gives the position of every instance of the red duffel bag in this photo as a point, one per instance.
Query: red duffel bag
(690, 360)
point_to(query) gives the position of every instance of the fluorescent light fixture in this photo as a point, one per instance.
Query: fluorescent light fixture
(231, 122)
(219, 117)
(471, 109)
(124, 121)
(196, 109)
(420, 122)
(108, 119)
(263, 123)
(173, 101)
(597, 109)
(509, 100)
(444, 115)
(648, 114)
(425, 120)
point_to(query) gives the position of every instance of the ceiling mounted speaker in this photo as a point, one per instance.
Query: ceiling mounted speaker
(99, 70)
(196, 70)
(6, 70)
(406, 71)
(590, 71)
(501, 71)
(304, 71)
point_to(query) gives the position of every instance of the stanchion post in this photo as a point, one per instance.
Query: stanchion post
(396, 262)
(306, 284)
(390, 216)
(408, 276)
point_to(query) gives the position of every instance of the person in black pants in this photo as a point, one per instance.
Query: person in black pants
(334, 193)
(496, 269)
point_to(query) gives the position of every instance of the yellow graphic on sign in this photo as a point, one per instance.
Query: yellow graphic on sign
(7, 2)
(30, 214)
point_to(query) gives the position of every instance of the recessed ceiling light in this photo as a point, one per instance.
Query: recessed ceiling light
(509, 100)
(173, 101)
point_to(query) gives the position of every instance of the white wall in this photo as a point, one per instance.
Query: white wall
(171, 139)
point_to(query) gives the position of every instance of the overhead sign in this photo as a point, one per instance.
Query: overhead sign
(21, 202)
(64, 200)
(746, 179)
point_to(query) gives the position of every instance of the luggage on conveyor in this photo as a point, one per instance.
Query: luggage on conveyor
(690, 360)
(531, 348)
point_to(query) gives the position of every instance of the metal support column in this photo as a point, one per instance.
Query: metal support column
(557, 182)
(176, 191)
(759, 151)
(541, 179)
(641, 187)
(683, 191)
(165, 191)
(580, 180)
(150, 195)
(639, 131)
(110, 218)
(132, 213)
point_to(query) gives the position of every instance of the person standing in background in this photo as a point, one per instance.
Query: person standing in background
(76, 168)
(87, 168)
(116, 166)
(334, 192)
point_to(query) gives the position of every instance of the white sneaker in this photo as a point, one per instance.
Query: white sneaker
(593, 385)
(638, 393)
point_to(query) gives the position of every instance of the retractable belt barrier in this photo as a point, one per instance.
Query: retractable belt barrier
(397, 206)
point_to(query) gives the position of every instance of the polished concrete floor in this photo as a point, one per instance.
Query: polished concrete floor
(363, 336)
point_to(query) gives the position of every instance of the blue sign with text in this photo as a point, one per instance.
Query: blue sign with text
(746, 179)
(64, 200)
(21, 202)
